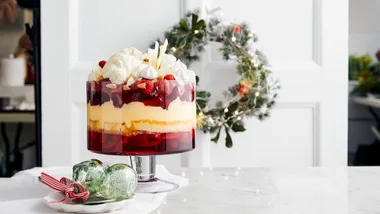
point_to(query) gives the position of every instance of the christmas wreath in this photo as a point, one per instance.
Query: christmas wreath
(253, 96)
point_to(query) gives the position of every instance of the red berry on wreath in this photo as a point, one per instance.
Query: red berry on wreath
(102, 63)
(243, 88)
(378, 55)
(169, 77)
(236, 28)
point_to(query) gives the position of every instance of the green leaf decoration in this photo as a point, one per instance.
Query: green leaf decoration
(233, 107)
(201, 103)
(177, 32)
(194, 20)
(203, 94)
(190, 40)
(238, 127)
(181, 43)
(200, 25)
(183, 25)
(216, 138)
(228, 139)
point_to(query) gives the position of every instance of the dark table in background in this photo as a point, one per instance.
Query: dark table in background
(19, 117)
(369, 155)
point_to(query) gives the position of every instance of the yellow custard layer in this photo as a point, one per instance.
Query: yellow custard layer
(135, 116)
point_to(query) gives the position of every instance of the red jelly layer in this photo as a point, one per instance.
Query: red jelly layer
(159, 93)
(140, 144)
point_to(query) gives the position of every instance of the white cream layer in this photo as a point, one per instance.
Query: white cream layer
(135, 116)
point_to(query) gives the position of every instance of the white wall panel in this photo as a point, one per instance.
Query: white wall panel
(284, 140)
(285, 28)
(308, 126)
(107, 26)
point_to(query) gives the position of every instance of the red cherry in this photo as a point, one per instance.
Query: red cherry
(127, 96)
(95, 98)
(134, 86)
(152, 102)
(181, 90)
(102, 63)
(124, 140)
(139, 140)
(187, 93)
(173, 143)
(172, 135)
(163, 87)
(192, 93)
(169, 77)
(116, 138)
(186, 137)
(149, 86)
(109, 141)
(94, 136)
(94, 142)
(117, 100)
(89, 91)
(104, 97)
(165, 103)
(154, 139)
(137, 97)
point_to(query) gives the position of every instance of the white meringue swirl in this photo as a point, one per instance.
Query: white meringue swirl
(182, 74)
(149, 72)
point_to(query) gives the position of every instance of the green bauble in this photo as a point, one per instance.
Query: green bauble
(118, 182)
(88, 174)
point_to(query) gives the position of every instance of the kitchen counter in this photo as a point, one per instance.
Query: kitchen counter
(252, 190)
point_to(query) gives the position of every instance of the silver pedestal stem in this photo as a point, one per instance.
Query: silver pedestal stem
(145, 167)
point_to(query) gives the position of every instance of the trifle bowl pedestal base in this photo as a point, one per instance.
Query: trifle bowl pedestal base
(145, 167)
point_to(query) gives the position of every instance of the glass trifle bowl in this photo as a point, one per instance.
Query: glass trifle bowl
(141, 105)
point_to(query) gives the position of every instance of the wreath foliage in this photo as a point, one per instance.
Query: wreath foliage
(253, 96)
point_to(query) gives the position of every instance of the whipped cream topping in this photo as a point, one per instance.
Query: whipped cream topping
(191, 75)
(131, 62)
(117, 75)
(131, 52)
(116, 68)
(133, 65)
(96, 74)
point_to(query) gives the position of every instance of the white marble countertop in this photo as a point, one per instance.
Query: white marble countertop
(255, 190)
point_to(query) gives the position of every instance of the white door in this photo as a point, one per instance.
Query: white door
(305, 41)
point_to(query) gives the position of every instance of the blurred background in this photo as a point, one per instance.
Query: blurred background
(364, 84)
(17, 80)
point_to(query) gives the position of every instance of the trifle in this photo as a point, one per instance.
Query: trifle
(141, 104)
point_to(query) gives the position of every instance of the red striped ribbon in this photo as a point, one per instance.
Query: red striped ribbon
(69, 188)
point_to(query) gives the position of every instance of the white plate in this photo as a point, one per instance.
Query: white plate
(80, 208)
